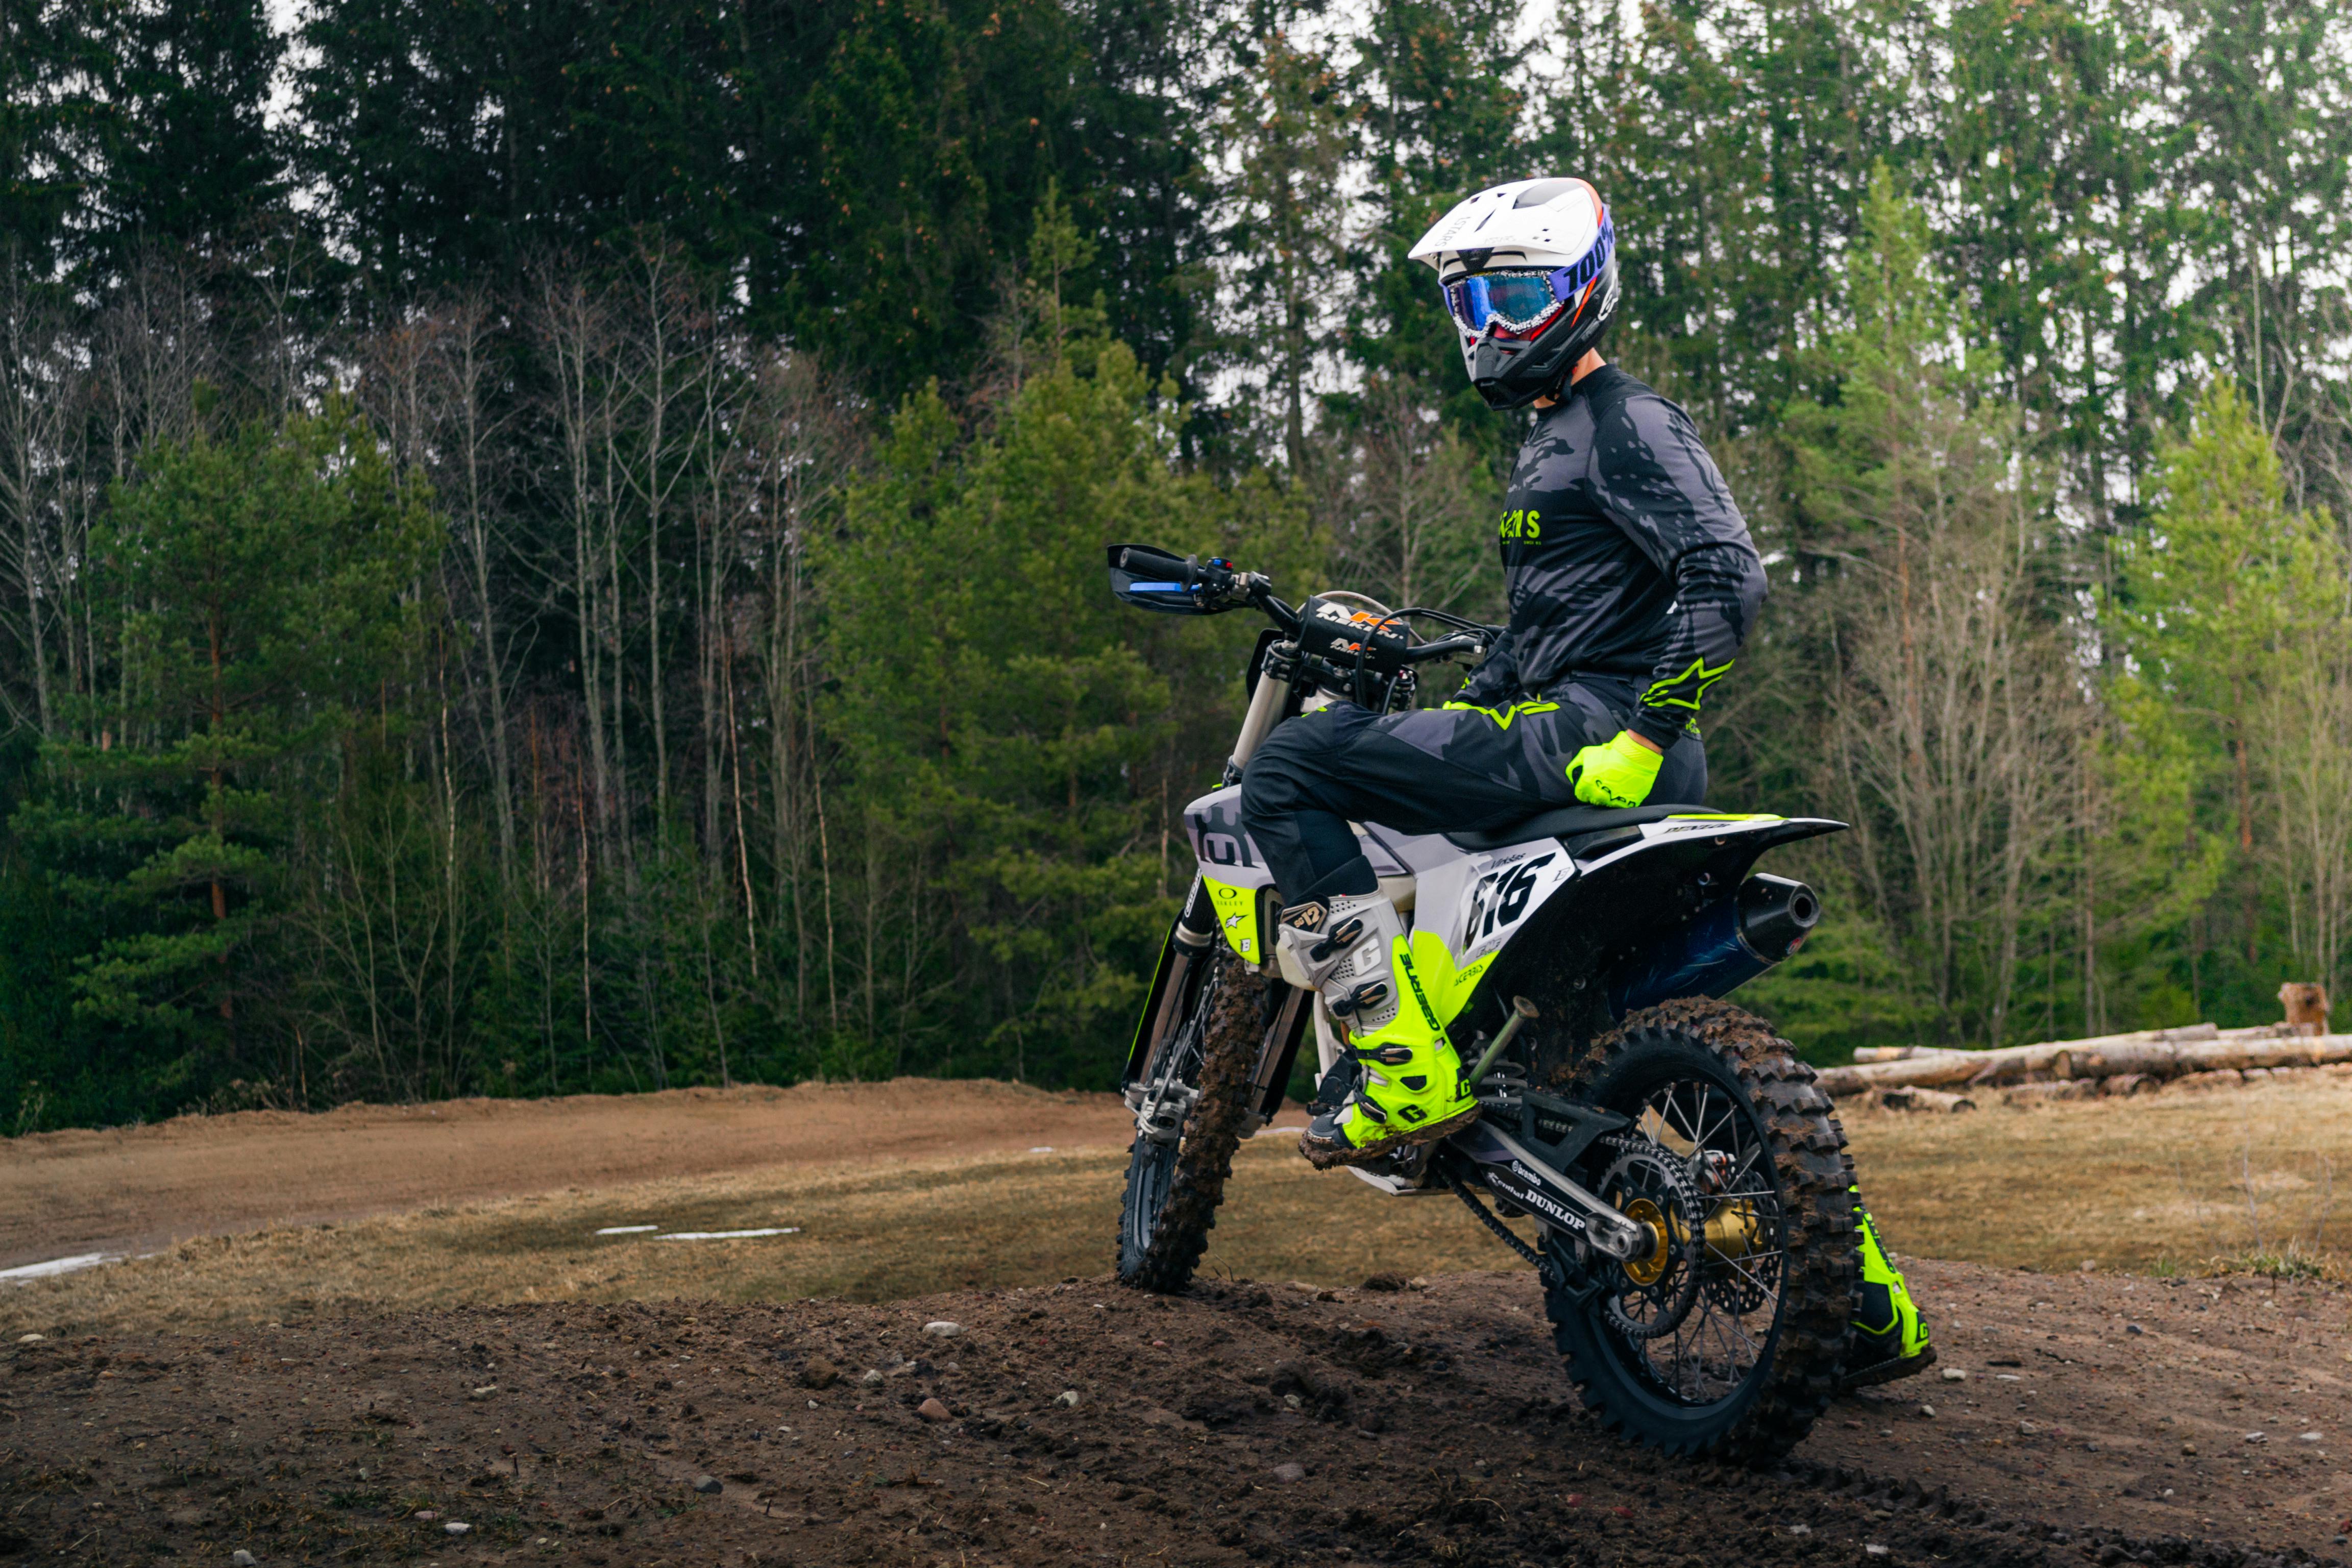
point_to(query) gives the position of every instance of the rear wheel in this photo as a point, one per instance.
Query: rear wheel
(1725, 1339)
(1196, 1106)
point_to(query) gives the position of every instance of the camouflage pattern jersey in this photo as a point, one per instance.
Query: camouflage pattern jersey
(1624, 556)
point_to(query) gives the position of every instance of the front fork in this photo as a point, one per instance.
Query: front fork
(1157, 1093)
(1153, 1082)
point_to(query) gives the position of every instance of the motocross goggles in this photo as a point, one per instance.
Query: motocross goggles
(1521, 302)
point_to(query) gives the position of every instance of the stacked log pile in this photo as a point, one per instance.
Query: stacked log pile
(1921, 1077)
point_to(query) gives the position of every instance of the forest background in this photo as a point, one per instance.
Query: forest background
(550, 546)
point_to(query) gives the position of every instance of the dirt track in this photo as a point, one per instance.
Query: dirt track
(576, 1431)
(1423, 1425)
(137, 1189)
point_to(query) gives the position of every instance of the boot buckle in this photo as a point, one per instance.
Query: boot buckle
(1344, 935)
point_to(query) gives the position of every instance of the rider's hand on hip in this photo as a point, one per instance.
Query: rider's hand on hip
(1618, 774)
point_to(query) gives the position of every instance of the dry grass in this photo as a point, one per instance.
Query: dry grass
(866, 1233)
(2185, 1182)
(2175, 1182)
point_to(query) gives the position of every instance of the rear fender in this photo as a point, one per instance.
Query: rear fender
(1631, 888)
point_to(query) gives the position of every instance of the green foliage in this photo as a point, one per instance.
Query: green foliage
(1951, 730)
(2207, 598)
(263, 586)
(2228, 614)
(784, 365)
(1844, 988)
(462, 139)
(184, 152)
(1005, 719)
(1441, 100)
(1287, 118)
(47, 58)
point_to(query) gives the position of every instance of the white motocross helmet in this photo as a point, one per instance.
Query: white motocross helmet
(1529, 273)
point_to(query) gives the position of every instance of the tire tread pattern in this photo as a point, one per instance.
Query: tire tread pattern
(1821, 1283)
(1231, 1036)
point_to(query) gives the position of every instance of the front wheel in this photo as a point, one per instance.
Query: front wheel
(1725, 1339)
(1197, 1091)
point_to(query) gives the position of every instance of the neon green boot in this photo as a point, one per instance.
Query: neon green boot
(1887, 1338)
(1409, 1084)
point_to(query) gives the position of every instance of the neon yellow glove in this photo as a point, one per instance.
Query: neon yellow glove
(1620, 773)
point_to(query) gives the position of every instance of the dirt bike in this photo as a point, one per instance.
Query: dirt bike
(1688, 1185)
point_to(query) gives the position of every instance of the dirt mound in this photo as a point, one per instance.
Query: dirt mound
(1084, 1423)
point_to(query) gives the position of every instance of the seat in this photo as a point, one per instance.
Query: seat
(1564, 822)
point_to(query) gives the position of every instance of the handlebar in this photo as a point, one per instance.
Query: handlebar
(1155, 579)
(1260, 593)
(1339, 642)
(1460, 642)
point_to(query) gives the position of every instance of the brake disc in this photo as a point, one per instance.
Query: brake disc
(1163, 1106)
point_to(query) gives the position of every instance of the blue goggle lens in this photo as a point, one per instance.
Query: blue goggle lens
(1517, 299)
(1519, 302)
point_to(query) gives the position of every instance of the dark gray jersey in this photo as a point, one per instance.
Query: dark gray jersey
(1623, 554)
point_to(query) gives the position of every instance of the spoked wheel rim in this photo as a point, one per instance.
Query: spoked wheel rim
(1148, 1177)
(1695, 1317)
(1152, 1164)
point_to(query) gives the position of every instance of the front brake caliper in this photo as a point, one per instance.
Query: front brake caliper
(1161, 1117)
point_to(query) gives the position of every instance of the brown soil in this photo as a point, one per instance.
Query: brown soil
(139, 1189)
(1240, 1423)
(421, 1366)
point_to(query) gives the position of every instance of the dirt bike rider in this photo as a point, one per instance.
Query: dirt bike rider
(1632, 583)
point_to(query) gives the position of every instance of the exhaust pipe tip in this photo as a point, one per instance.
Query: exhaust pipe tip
(1775, 915)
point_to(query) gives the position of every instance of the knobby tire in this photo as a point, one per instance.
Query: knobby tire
(1821, 1280)
(1234, 999)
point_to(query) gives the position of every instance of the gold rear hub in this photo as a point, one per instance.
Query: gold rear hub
(1647, 1268)
(1734, 1230)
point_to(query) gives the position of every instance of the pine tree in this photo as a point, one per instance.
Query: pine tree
(47, 54)
(1735, 146)
(182, 158)
(459, 143)
(1948, 727)
(1441, 94)
(1284, 130)
(2267, 88)
(263, 585)
(2228, 614)
(2066, 227)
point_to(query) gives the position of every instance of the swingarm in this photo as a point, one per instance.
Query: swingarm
(1516, 1175)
